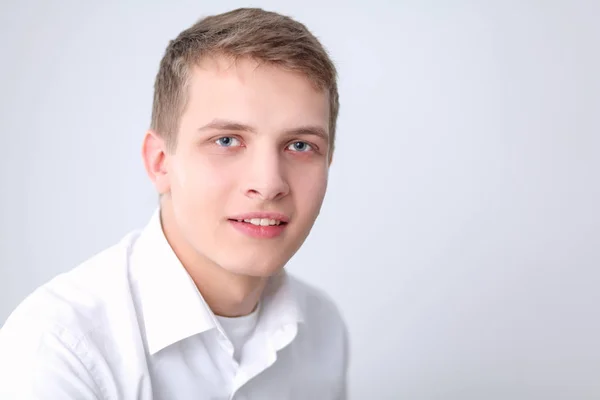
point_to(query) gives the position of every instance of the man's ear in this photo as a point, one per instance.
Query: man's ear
(154, 155)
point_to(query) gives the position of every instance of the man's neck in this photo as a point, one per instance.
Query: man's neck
(229, 295)
(226, 293)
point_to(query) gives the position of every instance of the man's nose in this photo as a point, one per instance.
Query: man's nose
(266, 178)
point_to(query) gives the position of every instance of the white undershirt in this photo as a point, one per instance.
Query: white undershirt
(239, 330)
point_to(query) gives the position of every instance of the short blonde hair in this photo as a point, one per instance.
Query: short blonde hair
(243, 33)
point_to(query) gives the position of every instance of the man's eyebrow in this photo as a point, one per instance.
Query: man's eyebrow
(232, 126)
(226, 125)
(309, 130)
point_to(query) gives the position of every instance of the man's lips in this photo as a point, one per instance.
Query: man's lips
(268, 226)
(252, 217)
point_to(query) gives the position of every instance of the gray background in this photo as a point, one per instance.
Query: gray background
(461, 232)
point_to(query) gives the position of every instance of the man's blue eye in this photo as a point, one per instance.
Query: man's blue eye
(228, 141)
(300, 147)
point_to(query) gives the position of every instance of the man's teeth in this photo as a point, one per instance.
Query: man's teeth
(262, 221)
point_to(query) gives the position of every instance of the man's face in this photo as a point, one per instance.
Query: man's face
(249, 173)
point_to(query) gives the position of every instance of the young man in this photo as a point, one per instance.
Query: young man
(197, 305)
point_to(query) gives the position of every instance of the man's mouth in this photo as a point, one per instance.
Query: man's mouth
(260, 226)
(261, 221)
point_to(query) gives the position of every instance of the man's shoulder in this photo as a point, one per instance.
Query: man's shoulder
(55, 336)
(76, 299)
(318, 307)
(324, 331)
(311, 295)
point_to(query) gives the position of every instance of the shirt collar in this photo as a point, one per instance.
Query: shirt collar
(171, 305)
(280, 303)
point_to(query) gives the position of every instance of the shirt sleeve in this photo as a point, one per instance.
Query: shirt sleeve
(40, 364)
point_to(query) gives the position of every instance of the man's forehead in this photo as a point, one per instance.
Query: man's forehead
(235, 93)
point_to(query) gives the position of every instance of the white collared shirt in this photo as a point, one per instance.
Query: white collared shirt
(129, 323)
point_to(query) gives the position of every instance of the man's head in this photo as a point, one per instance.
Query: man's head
(266, 37)
(243, 127)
